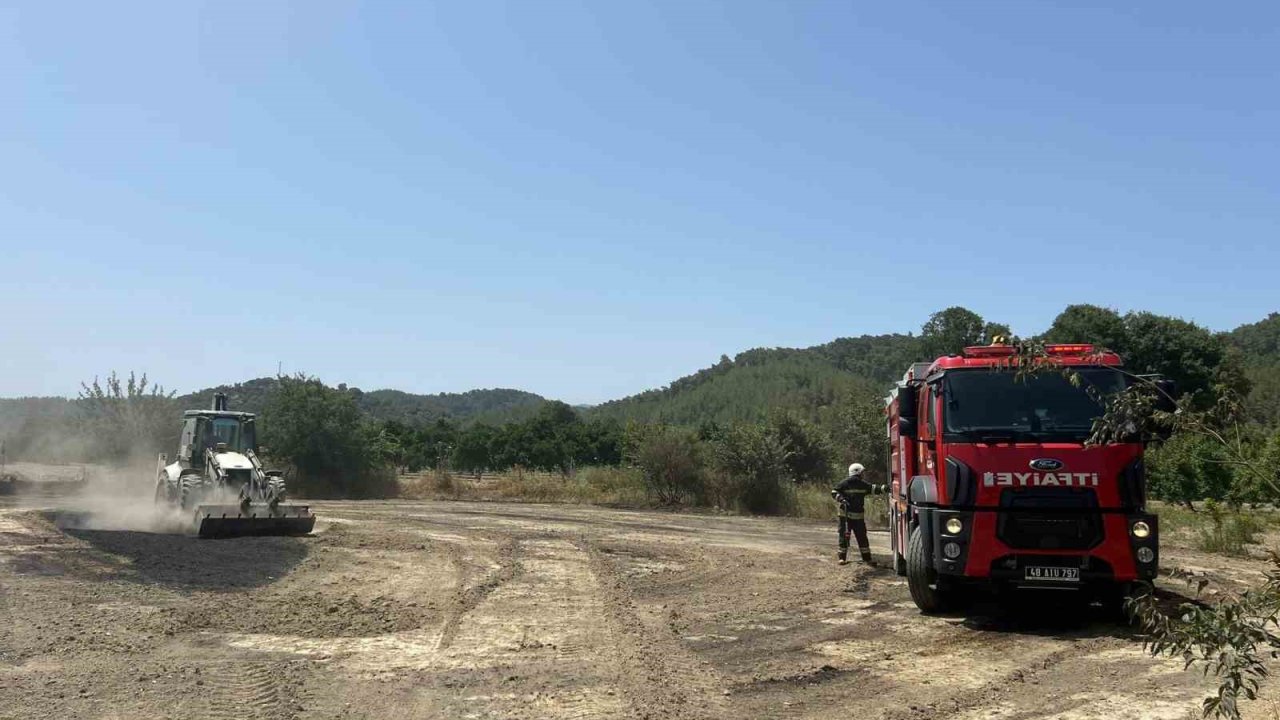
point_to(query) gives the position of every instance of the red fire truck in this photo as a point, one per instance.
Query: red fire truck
(992, 482)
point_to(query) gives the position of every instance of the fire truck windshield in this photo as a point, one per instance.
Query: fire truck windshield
(986, 404)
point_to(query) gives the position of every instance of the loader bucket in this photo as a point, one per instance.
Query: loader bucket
(213, 521)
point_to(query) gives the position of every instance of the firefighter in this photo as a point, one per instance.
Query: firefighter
(851, 494)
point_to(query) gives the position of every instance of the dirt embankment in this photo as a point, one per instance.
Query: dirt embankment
(452, 610)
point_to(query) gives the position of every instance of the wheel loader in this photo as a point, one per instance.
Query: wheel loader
(218, 479)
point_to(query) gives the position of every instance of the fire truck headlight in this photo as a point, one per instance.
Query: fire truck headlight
(954, 526)
(951, 550)
(1146, 555)
(1141, 529)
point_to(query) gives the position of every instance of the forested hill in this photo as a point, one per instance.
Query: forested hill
(495, 406)
(1260, 341)
(1259, 344)
(748, 386)
(812, 380)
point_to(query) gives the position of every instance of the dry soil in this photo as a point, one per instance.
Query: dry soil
(482, 610)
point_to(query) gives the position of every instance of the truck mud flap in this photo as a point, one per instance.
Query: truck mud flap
(220, 521)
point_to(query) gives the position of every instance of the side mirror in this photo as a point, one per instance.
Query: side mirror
(907, 402)
(907, 427)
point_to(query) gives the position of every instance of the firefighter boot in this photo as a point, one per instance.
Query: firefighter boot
(866, 555)
(841, 557)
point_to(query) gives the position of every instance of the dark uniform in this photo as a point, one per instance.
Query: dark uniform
(851, 494)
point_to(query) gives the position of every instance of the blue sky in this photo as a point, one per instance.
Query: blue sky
(587, 199)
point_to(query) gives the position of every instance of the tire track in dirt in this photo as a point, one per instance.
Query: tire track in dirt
(992, 691)
(468, 598)
(659, 677)
(243, 691)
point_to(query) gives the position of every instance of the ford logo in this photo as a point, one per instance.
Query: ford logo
(1046, 464)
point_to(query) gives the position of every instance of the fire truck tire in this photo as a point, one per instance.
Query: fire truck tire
(922, 580)
(1114, 602)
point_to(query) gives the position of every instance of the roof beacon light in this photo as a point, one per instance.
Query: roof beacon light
(1069, 349)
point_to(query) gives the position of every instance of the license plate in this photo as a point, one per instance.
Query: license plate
(1052, 574)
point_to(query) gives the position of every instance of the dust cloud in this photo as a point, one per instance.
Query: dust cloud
(95, 497)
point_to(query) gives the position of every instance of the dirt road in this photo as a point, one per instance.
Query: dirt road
(464, 610)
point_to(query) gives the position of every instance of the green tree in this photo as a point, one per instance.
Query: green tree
(598, 442)
(753, 466)
(1100, 326)
(430, 445)
(947, 332)
(322, 435)
(128, 419)
(1188, 354)
(860, 434)
(1263, 402)
(474, 450)
(1188, 468)
(670, 461)
(809, 455)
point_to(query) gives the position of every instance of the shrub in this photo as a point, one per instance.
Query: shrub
(809, 455)
(1228, 532)
(670, 462)
(753, 464)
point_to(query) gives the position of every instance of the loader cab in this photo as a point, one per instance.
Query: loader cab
(203, 429)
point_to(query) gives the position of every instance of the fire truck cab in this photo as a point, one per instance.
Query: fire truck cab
(992, 481)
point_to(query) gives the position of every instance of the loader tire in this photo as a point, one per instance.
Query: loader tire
(168, 489)
(275, 489)
(922, 580)
(191, 490)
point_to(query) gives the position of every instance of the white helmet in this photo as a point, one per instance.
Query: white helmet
(856, 469)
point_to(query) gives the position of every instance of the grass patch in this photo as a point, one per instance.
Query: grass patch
(814, 501)
(592, 485)
(615, 486)
(1216, 528)
(1228, 532)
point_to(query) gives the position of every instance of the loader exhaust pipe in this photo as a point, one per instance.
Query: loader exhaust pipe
(220, 401)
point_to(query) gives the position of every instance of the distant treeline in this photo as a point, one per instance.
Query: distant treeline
(785, 414)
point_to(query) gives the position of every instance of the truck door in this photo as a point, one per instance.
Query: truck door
(927, 447)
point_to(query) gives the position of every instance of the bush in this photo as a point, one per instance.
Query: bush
(752, 463)
(808, 453)
(1228, 532)
(444, 483)
(614, 485)
(670, 462)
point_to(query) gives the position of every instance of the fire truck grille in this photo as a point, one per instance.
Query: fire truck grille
(1050, 519)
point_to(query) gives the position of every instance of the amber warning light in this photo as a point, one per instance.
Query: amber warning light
(1071, 349)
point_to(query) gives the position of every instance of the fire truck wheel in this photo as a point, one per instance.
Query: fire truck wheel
(922, 580)
(1113, 599)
